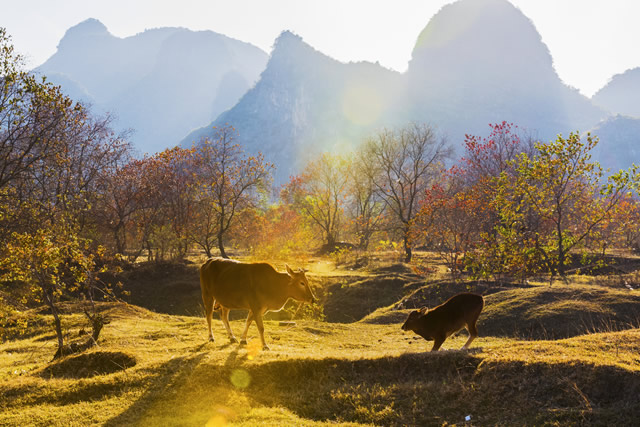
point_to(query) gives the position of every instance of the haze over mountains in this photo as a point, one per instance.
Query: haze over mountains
(306, 102)
(622, 94)
(476, 62)
(620, 134)
(162, 83)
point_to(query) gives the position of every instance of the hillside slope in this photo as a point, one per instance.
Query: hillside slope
(154, 369)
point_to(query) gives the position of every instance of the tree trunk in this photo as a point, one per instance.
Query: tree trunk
(363, 242)
(407, 248)
(120, 244)
(331, 243)
(561, 251)
(223, 254)
(56, 322)
(149, 253)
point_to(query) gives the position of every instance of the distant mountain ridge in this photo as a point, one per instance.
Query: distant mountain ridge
(306, 102)
(621, 94)
(162, 83)
(476, 62)
(619, 142)
(483, 61)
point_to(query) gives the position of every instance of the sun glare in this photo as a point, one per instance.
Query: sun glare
(361, 105)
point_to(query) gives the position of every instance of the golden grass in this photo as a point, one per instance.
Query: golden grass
(316, 373)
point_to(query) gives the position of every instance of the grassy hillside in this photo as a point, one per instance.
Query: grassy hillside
(532, 311)
(155, 369)
(158, 369)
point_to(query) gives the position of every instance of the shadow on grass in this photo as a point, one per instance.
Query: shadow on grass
(433, 389)
(412, 389)
(168, 376)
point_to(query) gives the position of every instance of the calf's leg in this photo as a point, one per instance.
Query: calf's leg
(437, 342)
(473, 333)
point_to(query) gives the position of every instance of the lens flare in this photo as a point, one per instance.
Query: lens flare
(222, 417)
(361, 105)
(253, 348)
(240, 378)
(217, 421)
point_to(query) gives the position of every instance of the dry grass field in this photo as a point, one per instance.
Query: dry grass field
(562, 355)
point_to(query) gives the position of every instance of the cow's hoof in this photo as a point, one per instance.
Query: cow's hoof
(211, 339)
(265, 348)
(243, 342)
(233, 340)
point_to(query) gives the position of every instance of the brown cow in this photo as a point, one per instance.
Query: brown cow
(440, 322)
(257, 287)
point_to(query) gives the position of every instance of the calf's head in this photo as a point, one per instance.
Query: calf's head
(299, 286)
(416, 319)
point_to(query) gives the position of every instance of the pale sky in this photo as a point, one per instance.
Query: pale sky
(590, 40)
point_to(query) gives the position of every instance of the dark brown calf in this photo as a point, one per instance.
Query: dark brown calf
(439, 323)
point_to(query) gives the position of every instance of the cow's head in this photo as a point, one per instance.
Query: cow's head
(413, 321)
(299, 286)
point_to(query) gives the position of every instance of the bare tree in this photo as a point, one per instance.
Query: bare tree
(366, 208)
(404, 162)
(229, 181)
(324, 189)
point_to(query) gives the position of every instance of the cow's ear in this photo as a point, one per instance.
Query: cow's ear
(289, 270)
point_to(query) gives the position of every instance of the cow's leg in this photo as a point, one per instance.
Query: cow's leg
(258, 319)
(224, 314)
(437, 342)
(473, 333)
(243, 339)
(208, 309)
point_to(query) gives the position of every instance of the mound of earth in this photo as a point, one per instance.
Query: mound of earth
(89, 364)
(170, 288)
(351, 302)
(399, 268)
(435, 294)
(543, 312)
(529, 312)
(431, 295)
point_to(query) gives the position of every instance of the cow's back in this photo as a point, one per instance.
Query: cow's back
(235, 284)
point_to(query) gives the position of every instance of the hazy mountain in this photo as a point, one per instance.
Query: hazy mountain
(619, 144)
(162, 83)
(622, 94)
(306, 102)
(476, 62)
(483, 61)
